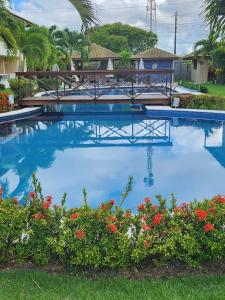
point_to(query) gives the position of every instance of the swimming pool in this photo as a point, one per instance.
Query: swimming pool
(99, 151)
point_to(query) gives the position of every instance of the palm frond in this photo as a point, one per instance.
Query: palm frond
(8, 40)
(86, 12)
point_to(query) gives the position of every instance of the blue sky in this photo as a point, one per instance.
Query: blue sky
(190, 24)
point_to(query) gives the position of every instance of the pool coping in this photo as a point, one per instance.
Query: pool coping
(169, 112)
(23, 113)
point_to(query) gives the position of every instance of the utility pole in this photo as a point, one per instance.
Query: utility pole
(175, 34)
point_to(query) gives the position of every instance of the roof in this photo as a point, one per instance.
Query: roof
(21, 19)
(195, 55)
(155, 53)
(97, 52)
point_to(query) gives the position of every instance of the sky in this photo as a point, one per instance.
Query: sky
(191, 27)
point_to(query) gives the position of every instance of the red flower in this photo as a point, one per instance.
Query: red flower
(146, 227)
(32, 195)
(157, 219)
(201, 214)
(39, 216)
(111, 219)
(220, 199)
(49, 199)
(212, 210)
(74, 216)
(141, 207)
(112, 202)
(209, 227)
(1, 191)
(80, 234)
(147, 200)
(46, 204)
(112, 228)
(127, 215)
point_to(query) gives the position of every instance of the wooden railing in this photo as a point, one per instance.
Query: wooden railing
(94, 84)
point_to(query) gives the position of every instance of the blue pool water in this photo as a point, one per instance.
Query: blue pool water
(99, 151)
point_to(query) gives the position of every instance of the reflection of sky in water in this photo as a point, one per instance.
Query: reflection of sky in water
(64, 159)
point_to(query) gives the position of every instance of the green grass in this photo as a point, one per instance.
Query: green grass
(216, 89)
(37, 285)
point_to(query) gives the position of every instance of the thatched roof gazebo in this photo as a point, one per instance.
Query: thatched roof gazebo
(98, 57)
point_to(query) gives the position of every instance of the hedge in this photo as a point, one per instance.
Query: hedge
(194, 86)
(42, 233)
(202, 102)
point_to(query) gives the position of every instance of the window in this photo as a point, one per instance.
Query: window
(195, 64)
(154, 66)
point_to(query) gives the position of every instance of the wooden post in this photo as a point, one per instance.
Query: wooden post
(20, 92)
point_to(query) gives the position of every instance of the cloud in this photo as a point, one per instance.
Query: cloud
(190, 24)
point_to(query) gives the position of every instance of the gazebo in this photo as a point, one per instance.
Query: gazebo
(154, 59)
(98, 57)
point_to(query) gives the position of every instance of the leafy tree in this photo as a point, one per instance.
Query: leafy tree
(118, 37)
(215, 15)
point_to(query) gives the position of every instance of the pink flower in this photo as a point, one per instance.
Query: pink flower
(146, 227)
(147, 200)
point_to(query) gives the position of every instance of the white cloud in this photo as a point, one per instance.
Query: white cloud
(190, 25)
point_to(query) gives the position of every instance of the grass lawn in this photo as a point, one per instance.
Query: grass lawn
(216, 89)
(37, 285)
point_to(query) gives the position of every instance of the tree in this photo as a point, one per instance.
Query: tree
(215, 15)
(118, 37)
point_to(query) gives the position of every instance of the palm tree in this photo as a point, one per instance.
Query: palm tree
(215, 15)
(86, 12)
(8, 29)
(206, 46)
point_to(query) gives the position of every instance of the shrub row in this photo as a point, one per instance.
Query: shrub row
(202, 102)
(108, 236)
(194, 86)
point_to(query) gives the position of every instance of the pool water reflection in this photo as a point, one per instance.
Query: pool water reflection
(100, 152)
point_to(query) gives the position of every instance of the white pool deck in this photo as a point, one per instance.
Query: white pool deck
(20, 113)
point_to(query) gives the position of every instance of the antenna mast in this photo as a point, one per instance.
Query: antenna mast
(151, 23)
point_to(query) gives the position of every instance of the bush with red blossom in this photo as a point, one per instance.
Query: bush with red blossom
(109, 237)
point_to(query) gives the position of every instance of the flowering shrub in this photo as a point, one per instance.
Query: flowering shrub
(109, 237)
(4, 103)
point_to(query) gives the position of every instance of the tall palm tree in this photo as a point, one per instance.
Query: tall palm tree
(215, 14)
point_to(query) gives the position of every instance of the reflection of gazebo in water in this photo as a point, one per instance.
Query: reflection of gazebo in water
(35, 148)
(218, 152)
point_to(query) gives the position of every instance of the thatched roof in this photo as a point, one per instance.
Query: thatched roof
(154, 53)
(97, 52)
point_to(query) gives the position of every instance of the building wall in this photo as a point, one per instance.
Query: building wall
(199, 72)
(158, 65)
(11, 66)
(2, 65)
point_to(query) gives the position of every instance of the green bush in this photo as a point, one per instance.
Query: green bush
(194, 86)
(26, 88)
(202, 102)
(109, 237)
